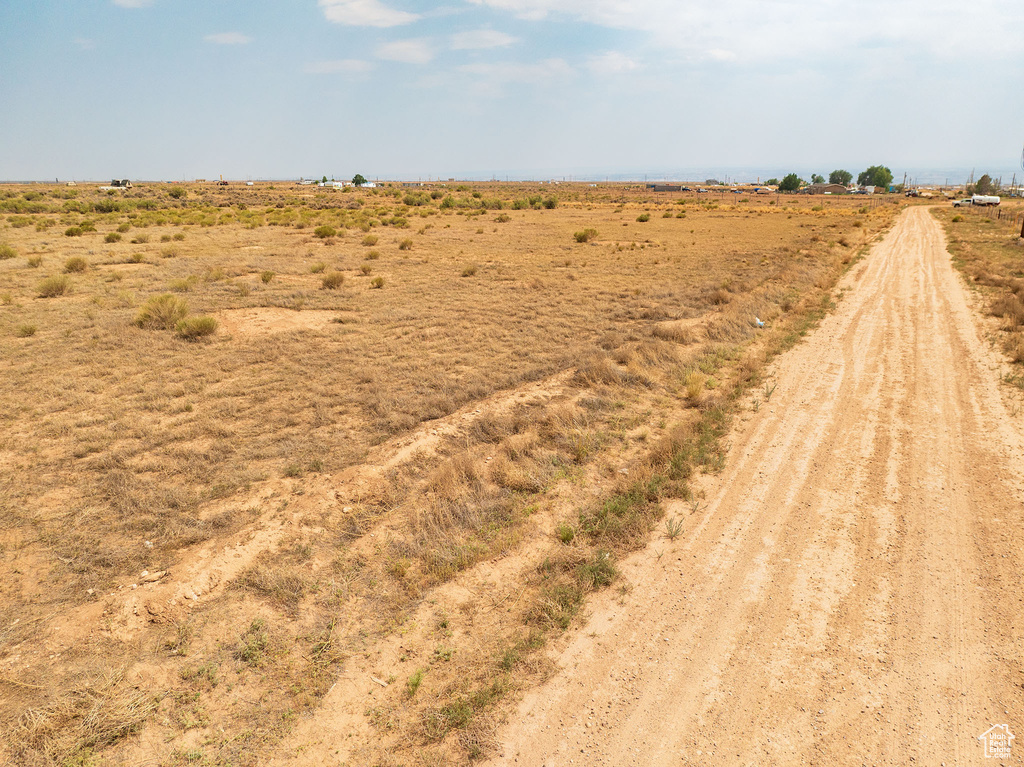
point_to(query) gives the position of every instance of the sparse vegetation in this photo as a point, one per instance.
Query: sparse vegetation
(6, 251)
(162, 312)
(51, 287)
(332, 280)
(585, 235)
(75, 264)
(194, 328)
(163, 449)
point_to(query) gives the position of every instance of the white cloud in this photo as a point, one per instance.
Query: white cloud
(228, 38)
(759, 30)
(611, 63)
(479, 39)
(720, 54)
(133, 3)
(335, 66)
(406, 51)
(365, 13)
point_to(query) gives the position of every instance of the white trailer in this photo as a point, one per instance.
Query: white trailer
(985, 199)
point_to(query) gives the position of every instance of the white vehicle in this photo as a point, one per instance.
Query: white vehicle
(961, 203)
(985, 199)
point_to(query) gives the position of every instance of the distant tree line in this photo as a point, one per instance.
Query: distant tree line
(876, 175)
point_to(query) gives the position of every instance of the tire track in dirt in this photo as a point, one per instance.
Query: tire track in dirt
(849, 594)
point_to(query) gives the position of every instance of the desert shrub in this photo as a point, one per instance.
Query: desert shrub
(586, 235)
(365, 268)
(182, 286)
(405, 244)
(720, 297)
(551, 203)
(75, 264)
(370, 239)
(377, 282)
(469, 270)
(165, 238)
(333, 280)
(178, 236)
(73, 231)
(136, 258)
(24, 331)
(112, 237)
(168, 253)
(57, 285)
(266, 276)
(373, 255)
(140, 239)
(192, 328)
(644, 218)
(318, 268)
(6, 251)
(176, 192)
(35, 261)
(503, 218)
(1010, 308)
(957, 219)
(122, 228)
(324, 231)
(161, 312)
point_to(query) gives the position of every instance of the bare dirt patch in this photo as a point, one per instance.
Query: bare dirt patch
(261, 321)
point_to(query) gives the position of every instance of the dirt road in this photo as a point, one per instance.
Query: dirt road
(851, 593)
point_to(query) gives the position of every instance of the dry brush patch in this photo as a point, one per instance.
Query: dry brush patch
(153, 451)
(986, 247)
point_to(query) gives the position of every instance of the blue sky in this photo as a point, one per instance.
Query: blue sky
(180, 89)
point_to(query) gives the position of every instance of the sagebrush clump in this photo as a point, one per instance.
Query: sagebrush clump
(162, 312)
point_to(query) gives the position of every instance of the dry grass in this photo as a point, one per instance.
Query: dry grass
(169, 444)
(988, 251)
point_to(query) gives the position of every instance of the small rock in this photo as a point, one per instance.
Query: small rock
(90, 592)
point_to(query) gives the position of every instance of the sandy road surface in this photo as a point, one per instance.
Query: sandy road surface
(851, 594)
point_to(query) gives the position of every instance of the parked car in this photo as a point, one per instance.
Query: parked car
(958, 203)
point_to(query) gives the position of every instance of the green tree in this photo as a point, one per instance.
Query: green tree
(843, 177)
(790, 183)
(985, 185)
(876, 175)
(358, 179)
(771, 182)
(323, 180)
(817, 178)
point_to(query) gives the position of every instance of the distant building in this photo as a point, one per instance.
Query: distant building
(121, 183)
(824, 189)
(665, 187)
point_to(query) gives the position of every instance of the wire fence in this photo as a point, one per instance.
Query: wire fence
(1010, 215)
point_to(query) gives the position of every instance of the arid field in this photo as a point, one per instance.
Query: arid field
(293, 474)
